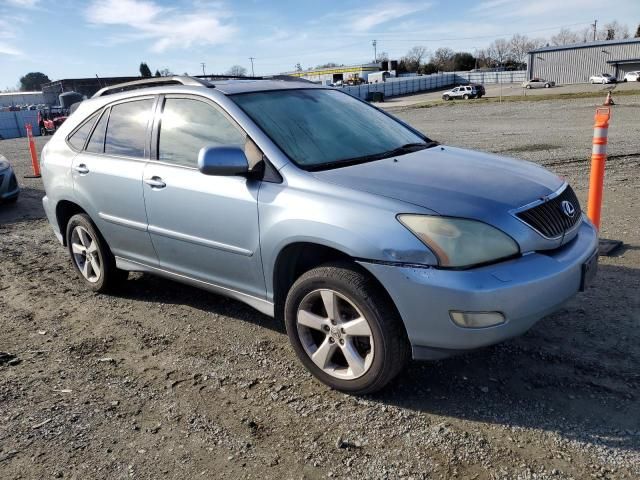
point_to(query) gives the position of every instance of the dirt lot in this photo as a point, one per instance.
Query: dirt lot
(166, 381)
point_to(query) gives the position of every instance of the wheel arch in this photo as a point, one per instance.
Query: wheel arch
(297, 258)
(65, 209)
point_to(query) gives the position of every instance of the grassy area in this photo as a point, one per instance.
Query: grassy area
(530, 98)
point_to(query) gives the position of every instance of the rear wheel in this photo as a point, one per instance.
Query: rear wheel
(91, 256)
(604, 82)
(465, 97)
(345, 330)
(445, 97)
(546, 85)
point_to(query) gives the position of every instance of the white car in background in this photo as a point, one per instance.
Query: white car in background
(603, 78)
(632, 77)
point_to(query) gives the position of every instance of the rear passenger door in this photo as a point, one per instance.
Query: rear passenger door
(202, 226)
(107, 177)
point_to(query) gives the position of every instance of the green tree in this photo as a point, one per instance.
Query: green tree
(145, 71)
(637, 35)
(157, 74)
(33, 81)
(463, 61)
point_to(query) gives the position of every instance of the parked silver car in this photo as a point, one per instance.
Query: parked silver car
(9, 189)
(372, 242)
(538, 83)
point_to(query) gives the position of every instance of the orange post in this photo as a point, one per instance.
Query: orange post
(598, 159)
(34, 154)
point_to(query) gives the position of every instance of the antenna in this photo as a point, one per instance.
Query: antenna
(252, 59)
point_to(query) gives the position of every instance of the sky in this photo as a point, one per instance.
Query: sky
(71, 39)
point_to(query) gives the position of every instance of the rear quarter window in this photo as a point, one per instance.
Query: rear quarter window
(78, 138)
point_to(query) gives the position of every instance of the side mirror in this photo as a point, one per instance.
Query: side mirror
(222, 160)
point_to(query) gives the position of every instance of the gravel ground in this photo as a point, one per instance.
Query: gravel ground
(167, 381)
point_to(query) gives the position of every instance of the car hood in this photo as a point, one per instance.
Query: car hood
(451, 181)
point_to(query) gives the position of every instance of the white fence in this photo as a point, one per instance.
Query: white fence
(12, 123)
(406, 85)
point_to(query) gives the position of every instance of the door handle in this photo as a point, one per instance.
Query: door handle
(81, 169)
(155, 182)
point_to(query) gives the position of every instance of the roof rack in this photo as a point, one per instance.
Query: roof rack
(152, 82)
(226, 77)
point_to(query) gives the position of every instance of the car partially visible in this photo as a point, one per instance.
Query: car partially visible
(538, 83)
(9, 189)
(603, 78)
(632, 77)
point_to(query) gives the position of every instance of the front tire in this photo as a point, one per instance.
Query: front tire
(90, 255)
(465, 97)
(345, 330)
(446, 97)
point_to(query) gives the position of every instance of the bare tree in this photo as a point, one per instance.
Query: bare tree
(500, 51)
(637, 35)
(237, 71)
(521, 45)
(443, 59)
(565, 37)
(417, 54)
(383, 57)
(613, 31)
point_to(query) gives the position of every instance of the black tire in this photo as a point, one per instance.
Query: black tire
(528, 87)
(391, 346)
(547, 85)
(445, 97)
(43, 131)
(465, 97)
(110, 277)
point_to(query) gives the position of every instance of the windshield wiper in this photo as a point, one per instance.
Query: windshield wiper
(403, 149)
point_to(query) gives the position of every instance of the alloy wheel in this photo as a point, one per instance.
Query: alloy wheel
(85, 254)
(335, 334)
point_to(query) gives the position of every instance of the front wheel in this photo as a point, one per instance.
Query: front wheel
(446, 97)
(465, 97)
(345, 329)
(547, 85)
(90, 255)
(604, 82)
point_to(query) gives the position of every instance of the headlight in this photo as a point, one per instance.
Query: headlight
(458, 242)
(4, 164)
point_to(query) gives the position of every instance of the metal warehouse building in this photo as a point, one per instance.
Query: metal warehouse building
(576, 63)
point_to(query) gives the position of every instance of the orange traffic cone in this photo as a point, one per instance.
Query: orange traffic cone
(609, 100)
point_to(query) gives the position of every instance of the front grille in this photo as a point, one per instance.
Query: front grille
(549, 218)
(13, 183)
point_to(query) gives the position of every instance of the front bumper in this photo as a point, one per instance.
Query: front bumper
(9, 188)
(524, 290)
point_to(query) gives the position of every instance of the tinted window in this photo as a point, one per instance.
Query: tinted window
(96, 143)
(127, 128)
(188, 125)
(320, 127)
(78, 138)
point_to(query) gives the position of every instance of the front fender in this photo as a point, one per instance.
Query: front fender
(359, 224)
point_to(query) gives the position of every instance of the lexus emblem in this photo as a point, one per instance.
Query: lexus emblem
(568, 209)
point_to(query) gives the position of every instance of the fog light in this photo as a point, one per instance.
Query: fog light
(476, 319)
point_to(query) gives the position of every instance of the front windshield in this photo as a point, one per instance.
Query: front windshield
(322, 128)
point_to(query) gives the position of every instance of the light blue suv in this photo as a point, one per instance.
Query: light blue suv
(372, 242)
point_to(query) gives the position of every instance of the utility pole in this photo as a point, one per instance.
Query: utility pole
(375, 52)
(252, 59)
(202, 64)
(595, 29)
